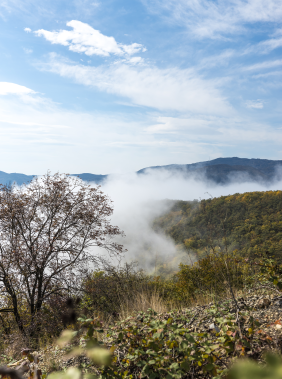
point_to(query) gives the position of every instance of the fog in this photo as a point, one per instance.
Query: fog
(136, 202)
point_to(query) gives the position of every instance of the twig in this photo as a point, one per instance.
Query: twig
(238, 322)
(193, 319)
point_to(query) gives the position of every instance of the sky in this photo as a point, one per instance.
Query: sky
(113, 86)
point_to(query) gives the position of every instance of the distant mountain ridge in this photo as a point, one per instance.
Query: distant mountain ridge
(263, 165)
(219, 170)
(223, 170)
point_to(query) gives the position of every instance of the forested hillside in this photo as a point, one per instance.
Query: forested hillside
(251, 222)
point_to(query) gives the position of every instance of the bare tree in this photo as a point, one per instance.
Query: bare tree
(47, 233)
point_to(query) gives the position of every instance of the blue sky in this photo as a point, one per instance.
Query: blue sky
(113, 86)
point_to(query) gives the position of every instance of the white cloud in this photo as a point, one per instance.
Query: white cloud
(214, 130)
(265, 47)
(267, 74)
(269, 45)
(85, 39)
(214, 18)
(264, 65)
(192, 125)
(221, 59)
(14, 89)
(161, 129)
(49, 10)
(38, 136)
(133, 60)
(254, 104)
(164, 89)
(27, 30)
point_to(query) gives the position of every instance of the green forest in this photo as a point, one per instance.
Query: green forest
(249, 222)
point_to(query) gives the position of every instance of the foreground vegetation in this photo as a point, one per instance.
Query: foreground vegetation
(119, 322)
(152, 333)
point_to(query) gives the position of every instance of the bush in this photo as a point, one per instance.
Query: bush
(213, 275)
(107, 290)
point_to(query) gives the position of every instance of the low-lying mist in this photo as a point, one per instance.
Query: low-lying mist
(137, 201)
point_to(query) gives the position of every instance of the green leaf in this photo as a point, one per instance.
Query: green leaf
(185, 366)
(120, 336)
(190, 338)
(209, 367)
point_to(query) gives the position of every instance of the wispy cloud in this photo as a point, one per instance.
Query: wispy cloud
(53, 9)
(216, 130)
(217, 60)
(254, 104)
(266, 46)
(164, 89)
(215, 18)
(85, 39)
(267, 74)
(264, 65)
(269, 45)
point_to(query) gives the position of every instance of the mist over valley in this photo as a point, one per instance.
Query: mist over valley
(140, 198)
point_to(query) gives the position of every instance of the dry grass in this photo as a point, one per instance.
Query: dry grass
(141, 302)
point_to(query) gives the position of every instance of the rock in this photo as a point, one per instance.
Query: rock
(263, 303)
(214, 327)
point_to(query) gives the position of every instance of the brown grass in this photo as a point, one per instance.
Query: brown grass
(142, 301)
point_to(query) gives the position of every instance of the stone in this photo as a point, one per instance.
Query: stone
(214, 327)
(263, 303)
